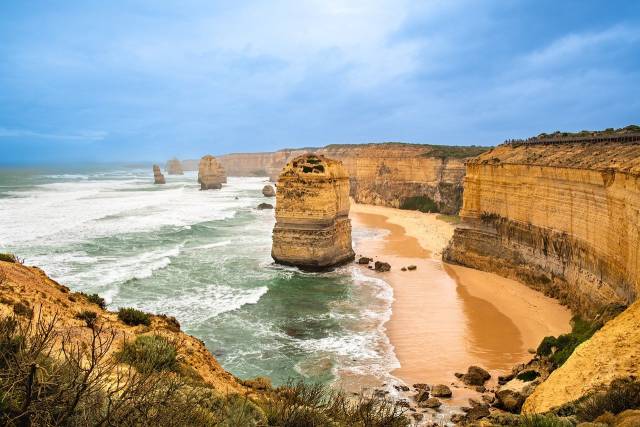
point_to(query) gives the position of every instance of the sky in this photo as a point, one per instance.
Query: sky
(97, 80)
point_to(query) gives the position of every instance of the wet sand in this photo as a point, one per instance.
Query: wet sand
(444, 317)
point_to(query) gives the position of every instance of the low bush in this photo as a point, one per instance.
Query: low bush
(419, 203)
(559, 349)
(149, 353)
(527, 376)
(95, 299)
(22, 309)
(8, 257)
(88, 316)
(622, 394)
(547, 420)
(134, 317)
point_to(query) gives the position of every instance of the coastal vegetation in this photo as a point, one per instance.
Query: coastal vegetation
(134, 317)
(558, 349)
(419, 203)
(48, 377)
(95, 299)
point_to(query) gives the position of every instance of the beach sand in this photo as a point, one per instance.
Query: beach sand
(445, 317)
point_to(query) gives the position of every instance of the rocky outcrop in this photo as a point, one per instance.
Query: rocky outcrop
(613, 352)
(312, 227)
(562, 217)
(158, 178)
(268, 191)
(387, 174)
(174, 167)
(210, 174)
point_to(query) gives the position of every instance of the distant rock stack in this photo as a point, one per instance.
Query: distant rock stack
(313, 229)
(174, 167)
(268, 191)
(158, 178)
(211, 174)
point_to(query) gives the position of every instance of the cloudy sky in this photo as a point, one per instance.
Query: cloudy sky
(146, 80)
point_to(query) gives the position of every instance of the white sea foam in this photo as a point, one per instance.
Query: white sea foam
(206, 303)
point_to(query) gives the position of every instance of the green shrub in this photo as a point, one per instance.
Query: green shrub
(8, 257)
(95, 299)
(149, 353)
(88, 316)
(565, 344)
(419, 203)
(527, 376)
(622, 394)
(133, 317)
(543, 421)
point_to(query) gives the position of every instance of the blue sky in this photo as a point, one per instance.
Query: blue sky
(147, 80)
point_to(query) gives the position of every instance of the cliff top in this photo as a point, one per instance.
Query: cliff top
(314, 166)
(619, 156)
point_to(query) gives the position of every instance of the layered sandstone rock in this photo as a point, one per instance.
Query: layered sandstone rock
(174, 167)
(385, 174)
(312, 228)
(158, 178)
(613, 352)
(211, 174)
(563, 218)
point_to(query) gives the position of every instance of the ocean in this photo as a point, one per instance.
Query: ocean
(203, 257)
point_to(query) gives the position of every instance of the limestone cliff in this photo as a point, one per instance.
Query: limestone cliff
(158, 178)
(174, 167)
(312, 227)
(613, 352)
(211, 174)
(385, 174)
(562, 217)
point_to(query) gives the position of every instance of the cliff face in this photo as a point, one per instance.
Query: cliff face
(563, 218)
(312, 228)
(211, 174)
(381, 174)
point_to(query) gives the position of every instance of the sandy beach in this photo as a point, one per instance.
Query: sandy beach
(445, 317)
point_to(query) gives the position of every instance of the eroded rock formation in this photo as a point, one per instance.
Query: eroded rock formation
(211, 174)
(312, 228)
(174, 167)
(563, 218)
(385, 174)
(158, 178)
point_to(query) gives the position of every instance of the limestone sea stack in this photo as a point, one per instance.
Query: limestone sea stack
(174, 167)
(211, 174)
(312, 230)
(158, 178)
(268, 191)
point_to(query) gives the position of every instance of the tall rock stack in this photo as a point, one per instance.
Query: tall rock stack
(158, 178)
(174, 167)
(211, 174)
(312, 228)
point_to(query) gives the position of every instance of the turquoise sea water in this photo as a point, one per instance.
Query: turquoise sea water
(203, 257)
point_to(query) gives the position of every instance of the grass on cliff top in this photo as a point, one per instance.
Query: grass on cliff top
(587, 133)
(455, 151)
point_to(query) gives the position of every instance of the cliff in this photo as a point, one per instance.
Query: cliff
(613, 352)
(563, 218)
(211, 174)
(312, 227)
(386, 174)
(29, 289)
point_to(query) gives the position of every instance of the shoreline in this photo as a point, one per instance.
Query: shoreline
(477, 318)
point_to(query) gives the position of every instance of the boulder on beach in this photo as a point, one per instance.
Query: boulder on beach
(411, 267)
(262, 206)
(421, 386)
(364, 260)
(421, 396)
(158, 178)
(431, 402)
(475, 376)
(382, 266)
(268, 191)
(441, 390)
(509, 400)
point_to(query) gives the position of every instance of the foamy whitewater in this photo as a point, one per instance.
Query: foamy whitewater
(203, 257)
